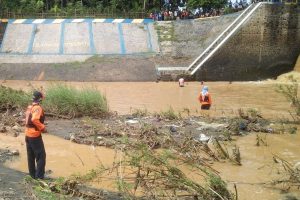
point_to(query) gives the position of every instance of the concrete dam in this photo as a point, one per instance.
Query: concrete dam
(78, 37)
(261, 42)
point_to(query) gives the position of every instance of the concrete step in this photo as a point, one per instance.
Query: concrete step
(172, 73)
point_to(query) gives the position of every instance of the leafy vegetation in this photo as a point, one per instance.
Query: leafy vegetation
(11, 99)
(228, 10)
(215, 183)
(66, 100)
(207, 4)
(139, 112)
(69, 6)
(43, 190)
(169, 114)
(60, 100)
(73, 7)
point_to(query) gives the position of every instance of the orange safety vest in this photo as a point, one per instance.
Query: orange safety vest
(34, 121)
(206, 100)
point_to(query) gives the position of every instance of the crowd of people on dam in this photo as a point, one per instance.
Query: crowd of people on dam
(175, 11)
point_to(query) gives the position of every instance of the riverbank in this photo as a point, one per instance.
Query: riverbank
(166, 119)
(78, 140)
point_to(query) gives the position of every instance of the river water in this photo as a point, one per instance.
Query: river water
(65, 158)
(227, 98)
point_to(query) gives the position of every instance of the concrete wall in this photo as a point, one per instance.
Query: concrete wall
(188, 38)
(181, 41)
(17, 39)
(198, 34)
(77, 37)
(266, 46)
(47, 39)
(106, 38)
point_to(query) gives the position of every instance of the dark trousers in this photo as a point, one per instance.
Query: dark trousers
(205, 107)
(36, 154)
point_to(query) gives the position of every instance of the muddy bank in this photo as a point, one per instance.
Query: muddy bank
(94, 69)
(84, 143)
(12, 185)
(106, 69)
(157, 131)
(107, 132)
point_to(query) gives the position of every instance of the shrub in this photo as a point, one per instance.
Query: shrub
(228, 10)
(140, 112)
(290, 91)
(66, 100)
(169, 114)
(218, 188)
(12, 99)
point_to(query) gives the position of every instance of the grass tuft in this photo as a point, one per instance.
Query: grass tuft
(169, 114)
(66, 100)
(12, 99)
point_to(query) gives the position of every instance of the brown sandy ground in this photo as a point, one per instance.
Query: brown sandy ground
(108, 68)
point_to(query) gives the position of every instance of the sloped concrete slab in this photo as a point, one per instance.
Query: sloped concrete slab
(47, 39)
(76, 38)
(17, 38)
(106, 38)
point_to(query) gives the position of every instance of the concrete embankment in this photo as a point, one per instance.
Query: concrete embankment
(265, 46)
(78, 50)
(79, 37)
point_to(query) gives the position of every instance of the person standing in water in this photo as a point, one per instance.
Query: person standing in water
(205, 99)
(181, 82)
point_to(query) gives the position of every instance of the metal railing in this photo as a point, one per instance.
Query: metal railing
(222, 38)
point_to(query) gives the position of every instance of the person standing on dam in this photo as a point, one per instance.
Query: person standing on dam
(205, 99)
(34, 122)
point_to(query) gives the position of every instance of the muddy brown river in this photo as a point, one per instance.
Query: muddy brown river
(65, 158)
(227, 98)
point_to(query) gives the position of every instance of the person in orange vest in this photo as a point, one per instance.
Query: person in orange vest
(205, 99)
(34, 122)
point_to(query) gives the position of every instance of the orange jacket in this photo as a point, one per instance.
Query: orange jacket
(34, 120)
(206, 100)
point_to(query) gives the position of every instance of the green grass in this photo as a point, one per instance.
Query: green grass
(60, 100)
(65, 100)
(139, 112)
(169, 114)
(12, 99)
(163, 36)
(41, 189)
(218, 186)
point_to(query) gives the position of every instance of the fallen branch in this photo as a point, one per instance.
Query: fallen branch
(59, 116)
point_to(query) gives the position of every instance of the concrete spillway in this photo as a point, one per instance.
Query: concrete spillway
(43, 39)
